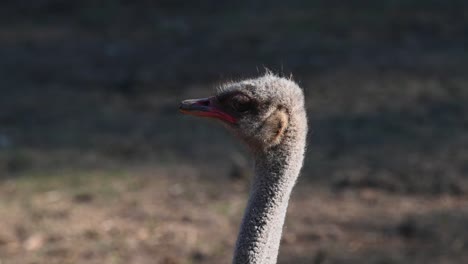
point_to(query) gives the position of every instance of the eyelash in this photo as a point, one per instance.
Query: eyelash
(242, 105)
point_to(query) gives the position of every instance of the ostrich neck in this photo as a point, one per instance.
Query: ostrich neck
(276, 172)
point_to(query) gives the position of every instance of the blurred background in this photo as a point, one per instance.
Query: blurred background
(98, 166)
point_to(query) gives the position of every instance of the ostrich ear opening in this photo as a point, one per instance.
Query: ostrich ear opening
(274, 127)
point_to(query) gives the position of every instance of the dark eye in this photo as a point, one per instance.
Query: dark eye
(241, 103)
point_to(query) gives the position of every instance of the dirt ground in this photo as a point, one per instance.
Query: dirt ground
(97, 165)
(177, 216)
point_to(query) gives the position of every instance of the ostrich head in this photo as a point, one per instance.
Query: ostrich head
(260, 111)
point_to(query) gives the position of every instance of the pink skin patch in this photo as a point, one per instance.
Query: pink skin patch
(205, 108)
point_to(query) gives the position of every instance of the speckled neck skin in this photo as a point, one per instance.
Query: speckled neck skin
(276, 171)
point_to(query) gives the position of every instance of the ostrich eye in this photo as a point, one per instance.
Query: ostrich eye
(241, 103)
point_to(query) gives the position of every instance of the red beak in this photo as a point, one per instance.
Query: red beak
(205, 107)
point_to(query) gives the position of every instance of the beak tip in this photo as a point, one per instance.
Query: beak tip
(183, 105)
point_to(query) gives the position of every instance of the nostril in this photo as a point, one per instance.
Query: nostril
(205, 102)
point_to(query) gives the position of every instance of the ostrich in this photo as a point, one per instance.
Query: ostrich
(268, 114)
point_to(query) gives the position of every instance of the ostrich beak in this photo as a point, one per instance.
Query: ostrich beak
(205, 107)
